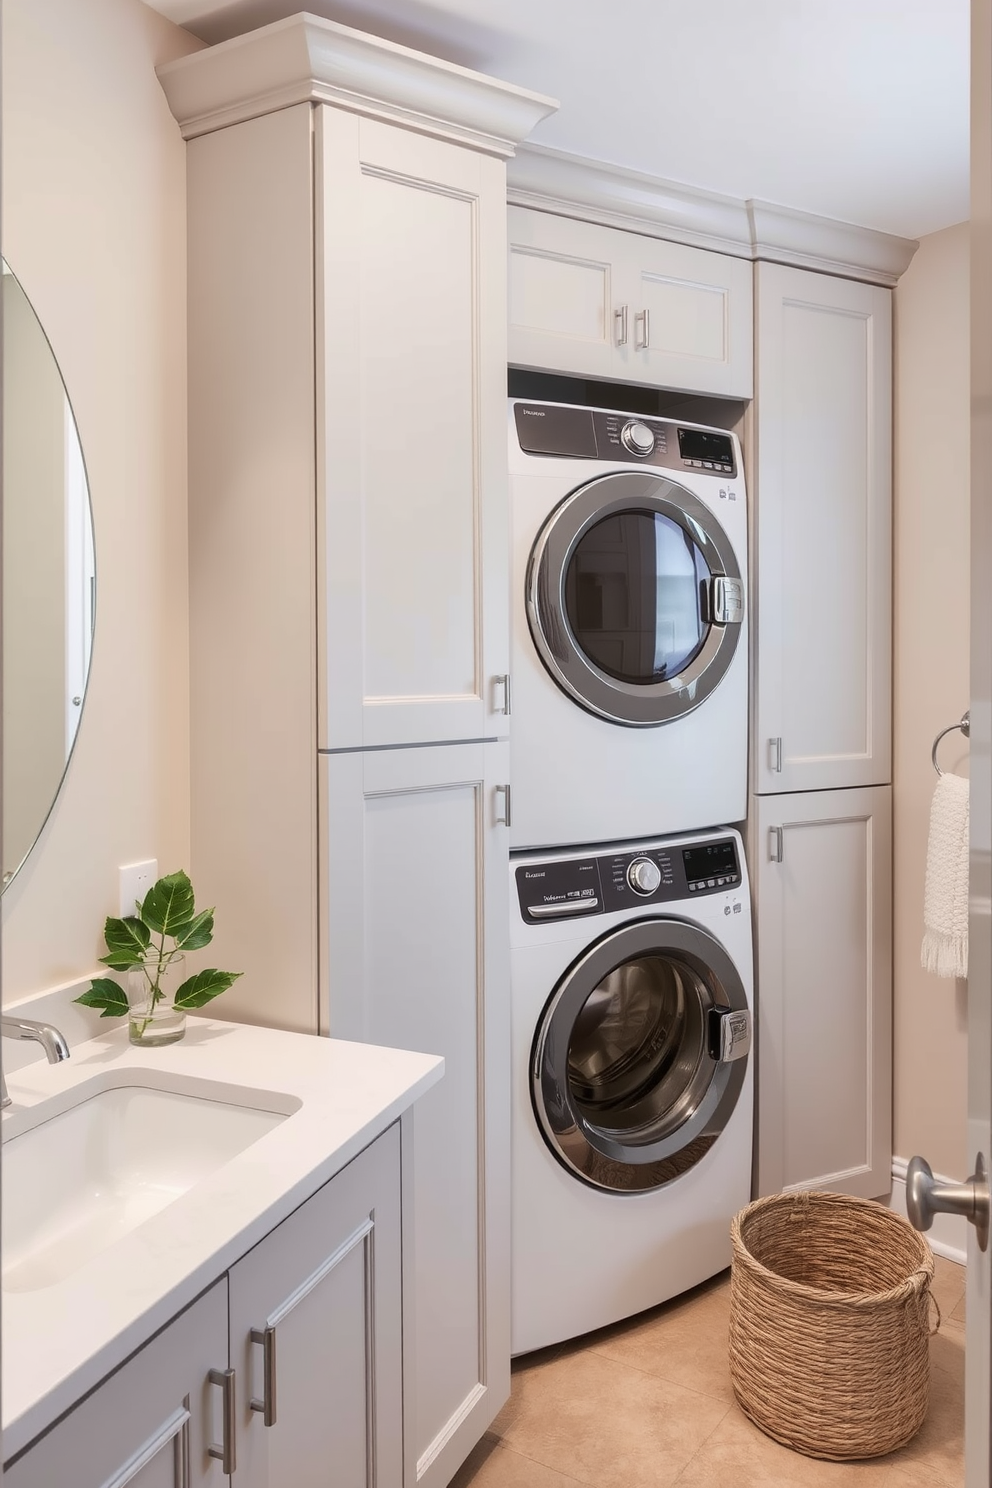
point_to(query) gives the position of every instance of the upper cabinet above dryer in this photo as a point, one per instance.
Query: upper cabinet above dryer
(602, 303)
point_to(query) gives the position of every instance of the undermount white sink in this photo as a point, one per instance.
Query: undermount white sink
(75, 1183)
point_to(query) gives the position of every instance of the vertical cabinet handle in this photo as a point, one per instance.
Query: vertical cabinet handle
(267, 1405)
(225, 1453)
(776, 841)
(642, 341)
(501, 686)
(620, 326)
(502, 795)
(775, 756)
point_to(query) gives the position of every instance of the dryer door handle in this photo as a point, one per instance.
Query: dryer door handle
(728, 1034)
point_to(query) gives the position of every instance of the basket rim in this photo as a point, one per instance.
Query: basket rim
(914, 1283)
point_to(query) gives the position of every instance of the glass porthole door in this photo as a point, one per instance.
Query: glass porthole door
(640, 1055)
(635, 599)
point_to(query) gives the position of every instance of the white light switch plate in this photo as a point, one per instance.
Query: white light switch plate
(136, 879)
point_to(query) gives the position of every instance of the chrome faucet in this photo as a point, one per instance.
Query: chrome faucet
(55, 1047)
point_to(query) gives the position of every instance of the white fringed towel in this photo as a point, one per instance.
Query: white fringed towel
(945, 898)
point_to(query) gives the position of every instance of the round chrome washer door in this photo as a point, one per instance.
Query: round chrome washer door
(626, 1088)
(626, 591)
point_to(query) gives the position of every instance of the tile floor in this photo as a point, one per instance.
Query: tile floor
(648, 1404)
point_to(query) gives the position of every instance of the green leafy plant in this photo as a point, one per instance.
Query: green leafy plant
(168, 913)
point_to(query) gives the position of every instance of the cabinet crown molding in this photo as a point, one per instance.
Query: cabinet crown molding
(593, 191)
(306, 58)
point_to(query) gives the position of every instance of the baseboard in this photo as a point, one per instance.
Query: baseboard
(949, 1235)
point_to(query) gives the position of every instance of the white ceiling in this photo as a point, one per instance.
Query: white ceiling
(856, 109)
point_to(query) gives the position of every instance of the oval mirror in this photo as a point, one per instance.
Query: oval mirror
(49, 581)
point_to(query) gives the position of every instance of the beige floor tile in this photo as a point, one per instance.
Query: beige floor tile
(738, 1453)
(948, 1284)
(493, 1465)
(604, 1423)
(684, 1341)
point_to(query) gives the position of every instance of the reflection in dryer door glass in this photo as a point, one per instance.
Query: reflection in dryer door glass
(633, 596)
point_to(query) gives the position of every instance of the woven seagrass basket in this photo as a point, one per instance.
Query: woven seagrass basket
(829, 1323)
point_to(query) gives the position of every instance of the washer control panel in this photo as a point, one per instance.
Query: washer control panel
(597, 434)
(572, 888)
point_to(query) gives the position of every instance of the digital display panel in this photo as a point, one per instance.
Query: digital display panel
(715, 859)
(697, 444)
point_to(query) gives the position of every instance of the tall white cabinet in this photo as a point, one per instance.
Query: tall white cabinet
(821, 748)
(349, 641)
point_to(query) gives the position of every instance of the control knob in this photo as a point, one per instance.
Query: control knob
(643, 875)
(638, 438)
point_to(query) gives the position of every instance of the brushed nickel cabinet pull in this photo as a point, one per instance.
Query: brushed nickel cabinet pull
(776, 844)
(225, 1453)
(775, 756)
(620, 326)
(503, 810)
(267, 1405)
(642, 342)
(502, 685)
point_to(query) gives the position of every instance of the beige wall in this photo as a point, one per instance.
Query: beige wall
(94, 227)
(932, 433)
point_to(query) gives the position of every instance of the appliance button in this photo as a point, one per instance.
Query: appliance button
(696, 464)
(711, 883)
(643, 875)
(638, 438)
(708, 465)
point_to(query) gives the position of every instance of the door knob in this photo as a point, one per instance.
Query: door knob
(925, 1198)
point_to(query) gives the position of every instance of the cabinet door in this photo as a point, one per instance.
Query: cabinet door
(821, 489)
(562, 296)
(690, 317)
(316, 1336)
(417, 955)
(821, 870)
(411, 436)
(149, 1425)
(603, 303)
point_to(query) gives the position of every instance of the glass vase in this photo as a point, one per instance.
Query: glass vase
(153, 1019)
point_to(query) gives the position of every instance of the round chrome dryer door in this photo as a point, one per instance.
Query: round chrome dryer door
(635, 598)
(640, 1055)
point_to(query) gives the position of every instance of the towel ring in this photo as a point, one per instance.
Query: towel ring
(964, 726)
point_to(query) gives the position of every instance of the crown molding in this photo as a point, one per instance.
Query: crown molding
(307, 59)
(571, 186)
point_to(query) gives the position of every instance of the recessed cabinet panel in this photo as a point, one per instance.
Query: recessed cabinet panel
(415, 906)
(822, 497)
(326, 1288)
(559, 296)
(411, 468)
(151, 1423)
(599, 302)
(822, 867)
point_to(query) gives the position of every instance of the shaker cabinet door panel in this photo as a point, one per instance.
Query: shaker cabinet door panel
(562, 294)
(411, 455)
(152, 1423)
(316, 1336)
(821, 866)
(417, 956)
(822, 494)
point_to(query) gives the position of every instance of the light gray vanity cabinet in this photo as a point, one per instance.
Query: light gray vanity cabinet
(151, 1423)
(316, 1336)
(308, 1324)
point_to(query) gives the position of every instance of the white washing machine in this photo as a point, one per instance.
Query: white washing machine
(629, 626)
(631, 984)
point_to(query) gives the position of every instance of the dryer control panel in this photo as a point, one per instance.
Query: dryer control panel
(631, 439)
(572, 888)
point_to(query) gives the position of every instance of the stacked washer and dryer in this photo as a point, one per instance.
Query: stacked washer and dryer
(631, 954)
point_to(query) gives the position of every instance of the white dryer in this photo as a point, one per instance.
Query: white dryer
(629, 625)
(631, 985)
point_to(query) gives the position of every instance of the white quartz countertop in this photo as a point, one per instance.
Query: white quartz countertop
(60, 1340)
